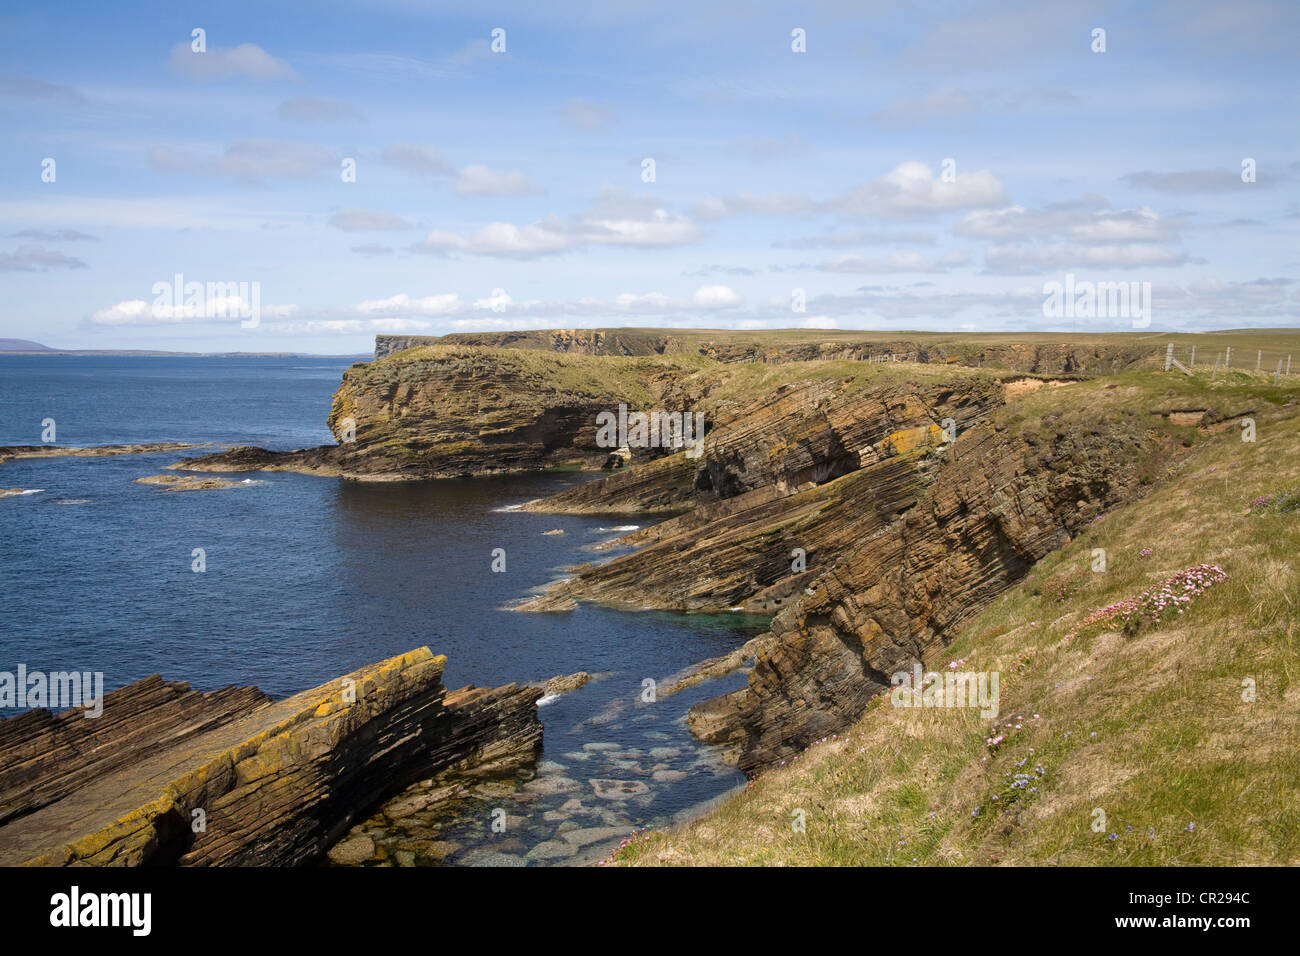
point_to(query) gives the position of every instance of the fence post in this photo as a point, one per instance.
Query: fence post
(1169, 357)
(1259, 356)
(1278, 373)
(1192, 363)
(1227, 362)
(1215, 373)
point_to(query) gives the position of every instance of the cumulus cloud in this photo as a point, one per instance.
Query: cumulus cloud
(482, 181)
(403, 304)
(1028, 259)
(210, 308)
(314, 109)
(912, 189)
(246, 61)
(252, 160)
(615, 219)
(1087, 220)
(354, 326)
(34, 258)
(715, 297)
(909, 190)
(366, 220)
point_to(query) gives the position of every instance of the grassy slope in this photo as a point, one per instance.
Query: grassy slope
(1151, 728)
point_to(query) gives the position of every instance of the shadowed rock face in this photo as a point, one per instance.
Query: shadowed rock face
(276, 783)
(899, 552)
(457, 411)
(997, 506)
(518, 402)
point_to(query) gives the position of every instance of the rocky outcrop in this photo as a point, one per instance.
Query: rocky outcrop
(1000, 504)
(784, 486)
(894, 555)
(92, 451)
(188, 482)
(451, 411)
(167, 775)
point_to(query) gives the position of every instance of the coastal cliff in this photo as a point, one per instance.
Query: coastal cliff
(900, 552)
(871, 508)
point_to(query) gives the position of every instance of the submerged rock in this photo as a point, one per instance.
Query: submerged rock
(618, 789)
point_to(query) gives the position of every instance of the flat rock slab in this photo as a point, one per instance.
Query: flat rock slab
(277, 783)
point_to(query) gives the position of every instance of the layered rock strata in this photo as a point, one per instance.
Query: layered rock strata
(171, 776)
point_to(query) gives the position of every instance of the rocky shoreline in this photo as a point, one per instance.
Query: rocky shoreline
(170, 776)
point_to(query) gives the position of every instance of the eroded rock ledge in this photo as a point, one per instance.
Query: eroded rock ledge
(276, 782)
(904, 535)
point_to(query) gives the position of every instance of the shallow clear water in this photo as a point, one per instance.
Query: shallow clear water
(308, 578)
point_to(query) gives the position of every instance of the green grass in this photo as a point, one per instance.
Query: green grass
(1150, 728)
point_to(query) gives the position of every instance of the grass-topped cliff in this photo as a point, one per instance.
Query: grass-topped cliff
(1147, 723)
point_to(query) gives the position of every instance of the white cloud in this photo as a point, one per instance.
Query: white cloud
(1028, 259)
(252, 160)
(616, 219)
(647, 302)
(909, 190)
(498, 301)
(213, 308)
(247, 61)
(482, 181)
(445, 304)
(715, 297)
(354, 326)
(912, 189)
(1086, 220)
(818, 322)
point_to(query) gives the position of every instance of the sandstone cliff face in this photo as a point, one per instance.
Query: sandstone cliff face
(276, 783)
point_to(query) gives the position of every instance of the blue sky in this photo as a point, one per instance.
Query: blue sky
(506, 189)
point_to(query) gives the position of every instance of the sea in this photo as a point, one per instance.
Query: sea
(306, 578)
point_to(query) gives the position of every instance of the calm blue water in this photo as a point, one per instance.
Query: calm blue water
(307, 578)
